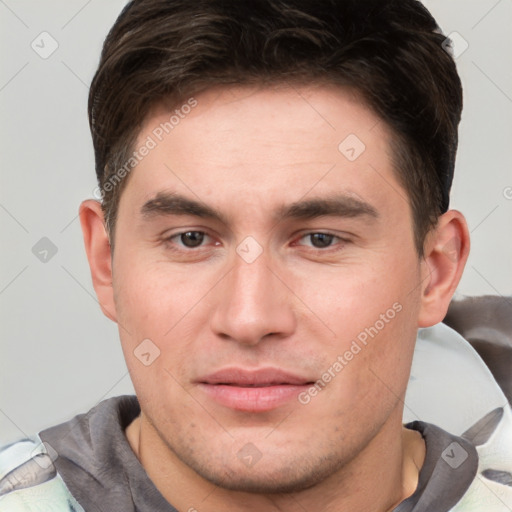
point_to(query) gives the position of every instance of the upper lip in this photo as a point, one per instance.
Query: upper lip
(254, 378)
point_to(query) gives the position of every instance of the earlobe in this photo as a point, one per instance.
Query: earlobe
(446, 253)
(97, 247)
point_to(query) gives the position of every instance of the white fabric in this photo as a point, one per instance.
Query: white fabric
(450, 386)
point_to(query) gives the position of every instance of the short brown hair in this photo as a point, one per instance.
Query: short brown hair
(391, 52)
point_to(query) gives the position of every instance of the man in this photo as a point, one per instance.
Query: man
(274, 229)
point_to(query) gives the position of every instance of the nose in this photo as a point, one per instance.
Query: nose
(253, 303)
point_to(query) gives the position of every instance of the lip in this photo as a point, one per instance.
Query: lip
(253, 390)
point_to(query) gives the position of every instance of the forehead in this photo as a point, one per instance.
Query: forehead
(292, 112)
(265, 144)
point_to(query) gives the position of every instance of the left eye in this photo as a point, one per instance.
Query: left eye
(190, 239)
(320, 240)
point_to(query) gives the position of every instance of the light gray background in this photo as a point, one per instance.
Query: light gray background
(59, 354)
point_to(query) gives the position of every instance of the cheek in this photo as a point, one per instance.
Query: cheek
(151, 304)
(161, 311)
(349, 300)
(372, 311)
(152, 297)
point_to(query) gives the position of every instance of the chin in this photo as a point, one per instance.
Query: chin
(291, 477)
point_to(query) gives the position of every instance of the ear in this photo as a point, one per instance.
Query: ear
(97, 247)
(445, 256)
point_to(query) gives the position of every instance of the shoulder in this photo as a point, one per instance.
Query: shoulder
(40, 473)
(29, 480)
(467, 473)
(71, 465)
(475, 409)
(491, 489)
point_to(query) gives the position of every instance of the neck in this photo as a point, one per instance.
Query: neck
(382, 475)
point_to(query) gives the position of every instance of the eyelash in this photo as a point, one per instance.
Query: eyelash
(181, 233)
(329, 248)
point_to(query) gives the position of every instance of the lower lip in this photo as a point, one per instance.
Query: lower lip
(252, 399)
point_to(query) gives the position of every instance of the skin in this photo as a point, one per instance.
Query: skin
(248, 153)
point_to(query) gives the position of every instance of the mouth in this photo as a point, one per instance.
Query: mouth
(253, 391)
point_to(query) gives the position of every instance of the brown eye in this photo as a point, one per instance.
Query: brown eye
(192, 238)
(321, 240)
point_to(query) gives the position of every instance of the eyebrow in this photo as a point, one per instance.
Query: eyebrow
(337, 206)
(165, 203)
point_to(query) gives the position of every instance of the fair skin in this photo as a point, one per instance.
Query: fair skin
(248, 155)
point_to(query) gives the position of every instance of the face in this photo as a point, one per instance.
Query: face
(265, 253)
